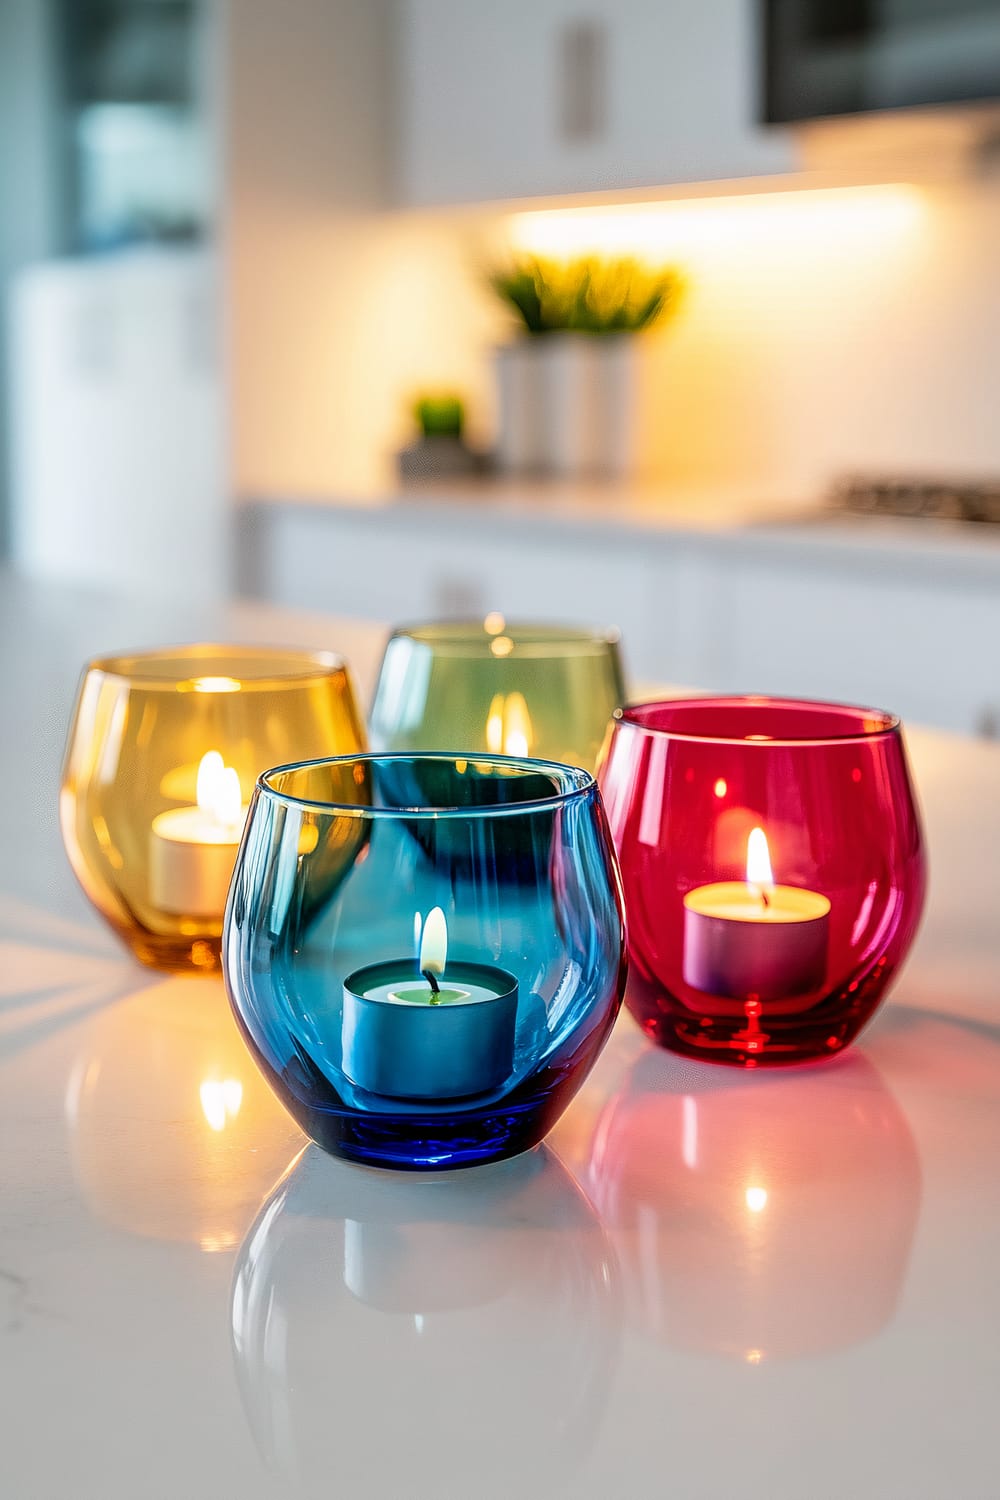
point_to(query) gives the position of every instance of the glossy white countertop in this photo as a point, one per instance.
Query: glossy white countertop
(778, 1285)
(729, 520)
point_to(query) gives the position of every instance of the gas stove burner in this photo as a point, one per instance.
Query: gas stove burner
(936, 499)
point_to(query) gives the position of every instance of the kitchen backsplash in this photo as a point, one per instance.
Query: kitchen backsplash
(849, 329)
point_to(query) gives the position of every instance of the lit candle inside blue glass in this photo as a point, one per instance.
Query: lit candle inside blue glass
(420, 1029)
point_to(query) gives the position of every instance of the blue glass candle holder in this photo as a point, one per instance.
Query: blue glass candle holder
(425, 952)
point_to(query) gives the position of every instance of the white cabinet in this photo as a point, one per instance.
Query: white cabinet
(915, 636)
(407, 563)
(562, 96)
(118, 423)
(799, 611)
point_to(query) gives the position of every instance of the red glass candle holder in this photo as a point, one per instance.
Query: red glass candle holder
(773, 866)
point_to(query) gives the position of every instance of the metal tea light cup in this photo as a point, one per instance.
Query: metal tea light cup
(429, 1051)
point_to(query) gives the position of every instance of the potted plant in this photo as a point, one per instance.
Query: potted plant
(440, 450)
(566, 386)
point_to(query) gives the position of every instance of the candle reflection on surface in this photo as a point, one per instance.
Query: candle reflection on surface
(478, 1312)
(758, 1216)
(174, 1133)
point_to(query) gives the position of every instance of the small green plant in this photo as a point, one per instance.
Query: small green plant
(440, 416)
(587, 295)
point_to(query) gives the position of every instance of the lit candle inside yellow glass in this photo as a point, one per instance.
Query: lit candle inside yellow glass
(193, 849)
(754, 939)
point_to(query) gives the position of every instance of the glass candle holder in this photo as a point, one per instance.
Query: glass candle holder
(426, 953)
(498, 688)
(772, 860)
(164, 749)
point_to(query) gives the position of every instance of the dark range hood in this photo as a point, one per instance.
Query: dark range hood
(842, 57)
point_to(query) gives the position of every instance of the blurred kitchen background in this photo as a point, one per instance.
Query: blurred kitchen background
(681, 317)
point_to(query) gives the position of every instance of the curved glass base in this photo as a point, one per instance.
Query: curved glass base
(751, 1034)
(442, 1138)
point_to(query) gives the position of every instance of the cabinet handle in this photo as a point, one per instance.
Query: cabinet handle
(988, 722)
(581, 81)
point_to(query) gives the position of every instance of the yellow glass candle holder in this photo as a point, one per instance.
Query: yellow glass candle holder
(164, 750)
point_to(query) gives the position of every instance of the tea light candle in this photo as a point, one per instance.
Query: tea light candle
(755, 939)
(193, 849)
(408, 1036)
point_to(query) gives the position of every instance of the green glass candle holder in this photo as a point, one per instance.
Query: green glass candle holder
(499, 689)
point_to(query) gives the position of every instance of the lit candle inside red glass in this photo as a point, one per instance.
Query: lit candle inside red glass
(754, 939)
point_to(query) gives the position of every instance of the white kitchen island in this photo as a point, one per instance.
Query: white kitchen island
(729, 588)
(707, 1285)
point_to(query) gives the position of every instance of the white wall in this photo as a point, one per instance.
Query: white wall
(306, 168)
(28, 170)
(822, 332)
(117, 421)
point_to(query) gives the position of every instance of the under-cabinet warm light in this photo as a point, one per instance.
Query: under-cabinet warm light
(797, 221)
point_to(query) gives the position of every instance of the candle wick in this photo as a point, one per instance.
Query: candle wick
(765, 898)
(431, 978)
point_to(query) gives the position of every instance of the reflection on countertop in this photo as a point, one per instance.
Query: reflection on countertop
(476, 1314)
(758, 1216)
(174, 1135)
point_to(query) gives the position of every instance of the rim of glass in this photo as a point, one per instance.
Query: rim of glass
(527, 637)
(305, 664)
(888, 724)
(582, 783)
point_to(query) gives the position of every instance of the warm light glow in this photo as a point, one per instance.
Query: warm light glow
(689, 1138)
(721, 788)
(754, 1356)
(215, 685)
(726, 226)
(308, 838)
(212, 1244)
(434, 942)
(756, 1199)
(218, 790)
(501, 645)
(220, 1101)
(494, 622)
(508, 726)
(759, 873)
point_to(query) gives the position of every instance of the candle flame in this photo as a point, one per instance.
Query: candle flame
(218, 790)
(508, 726)
(434, 942)
(760, 877)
